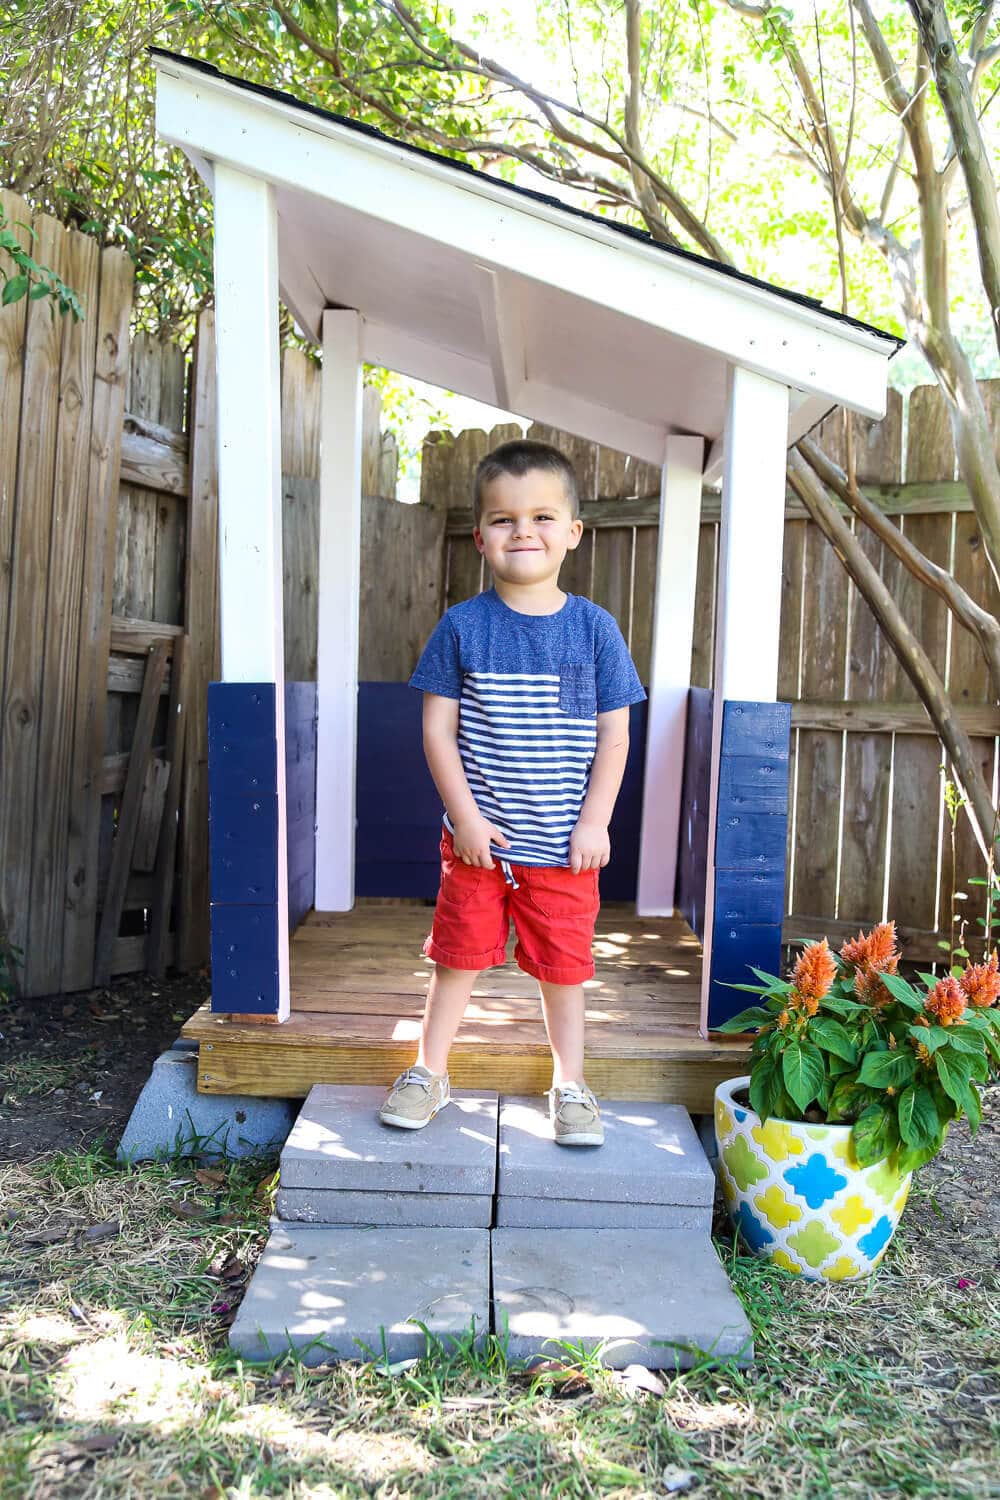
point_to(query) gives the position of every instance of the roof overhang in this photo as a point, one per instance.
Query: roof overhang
(511, 299)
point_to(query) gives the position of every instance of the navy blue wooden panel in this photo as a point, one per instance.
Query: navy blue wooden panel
(243, 846)
(245, 959)
(692, 854)
(399, 809)
(242, 746)
(750, 843)
(300, 790)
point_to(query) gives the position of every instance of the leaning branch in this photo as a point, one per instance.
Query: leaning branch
(978, 621)
(912, 657)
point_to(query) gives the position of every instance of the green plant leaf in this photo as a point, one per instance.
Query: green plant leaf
(964, 1043)
(839, 1006)
(875, 1133)
(882, 1070)
(900, 990)
(833, 1037)
(782, 986)
(803, 1072)
(919, 1123)
(14, 288)
(954, 1072)
(911, 1157)
(755, 1016)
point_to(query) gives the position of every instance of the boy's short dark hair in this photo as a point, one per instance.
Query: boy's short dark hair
(518, 457)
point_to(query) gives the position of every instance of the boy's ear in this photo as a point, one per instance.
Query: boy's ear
(575, 535)
(477, 537)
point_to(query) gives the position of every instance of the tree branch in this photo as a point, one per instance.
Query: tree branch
(912, 657)
(978, 621)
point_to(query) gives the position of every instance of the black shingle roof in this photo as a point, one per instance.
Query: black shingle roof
(526, 192)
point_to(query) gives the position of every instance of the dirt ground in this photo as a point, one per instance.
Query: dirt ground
(72, 1066)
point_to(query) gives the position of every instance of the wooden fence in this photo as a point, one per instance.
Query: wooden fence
(109, 625)
(109, 616)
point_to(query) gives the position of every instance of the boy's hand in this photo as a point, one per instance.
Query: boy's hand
(472, 839)
(589, 847)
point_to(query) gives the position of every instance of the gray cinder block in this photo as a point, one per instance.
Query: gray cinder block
(436, 1210)
(170, 1116)
(569, 1213)
(651, 1154)
(340, 1143)
(329, 1292)
(654, 1299)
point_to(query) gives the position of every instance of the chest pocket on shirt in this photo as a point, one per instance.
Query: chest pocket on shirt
(578, 689)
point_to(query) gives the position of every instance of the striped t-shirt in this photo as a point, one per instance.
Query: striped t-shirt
(530, 688)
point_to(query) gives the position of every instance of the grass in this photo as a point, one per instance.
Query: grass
(116, 1379)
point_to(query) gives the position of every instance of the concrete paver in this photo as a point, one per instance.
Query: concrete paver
(338, 1142)
(658, 1300)
(329, 1292)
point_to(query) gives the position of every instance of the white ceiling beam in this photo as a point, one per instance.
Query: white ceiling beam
(751, 326)
(504, 334)
(571, 413)
(421, 360)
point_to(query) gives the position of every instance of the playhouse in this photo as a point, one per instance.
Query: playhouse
(394, 255)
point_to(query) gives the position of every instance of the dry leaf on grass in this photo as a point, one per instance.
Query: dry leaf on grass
(49, 1236)
(109, 1230)
(636, 1378)
(210, 1176)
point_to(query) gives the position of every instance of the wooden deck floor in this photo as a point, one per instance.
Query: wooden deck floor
(358, 986)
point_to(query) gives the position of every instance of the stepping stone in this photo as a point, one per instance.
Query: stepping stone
(329, 1292)
(341, 1165)
(656, 1300)
(651, 1172)
(439, 1210)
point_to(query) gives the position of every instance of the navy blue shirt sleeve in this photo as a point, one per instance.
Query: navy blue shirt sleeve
(439, 669)
(618, 682)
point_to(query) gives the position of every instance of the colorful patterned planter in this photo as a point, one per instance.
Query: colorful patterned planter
(798, 1195)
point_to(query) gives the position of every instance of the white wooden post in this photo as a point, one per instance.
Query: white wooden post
(249, 428)
(339, 599)
(670, 673)
(751, 544)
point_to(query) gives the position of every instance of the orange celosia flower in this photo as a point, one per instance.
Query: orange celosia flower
(876, 949)
(814, 972)
(870, 990)
(946, 1001)
(981, 982)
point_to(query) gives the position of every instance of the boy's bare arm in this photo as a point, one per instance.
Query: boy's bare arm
(473, 833)
(589, 844)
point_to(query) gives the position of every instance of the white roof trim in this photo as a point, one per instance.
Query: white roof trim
(511, 236)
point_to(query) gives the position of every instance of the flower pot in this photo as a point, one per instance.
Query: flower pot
(798, 1195)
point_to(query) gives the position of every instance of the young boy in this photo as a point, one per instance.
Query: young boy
(525, 729)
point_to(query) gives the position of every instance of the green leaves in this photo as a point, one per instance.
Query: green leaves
(803, 1072)
(919, 1123)
(833, 1037)
(875, 1133)
(755, 1016)
(14, 288)
(882, 1070)
(903, 992)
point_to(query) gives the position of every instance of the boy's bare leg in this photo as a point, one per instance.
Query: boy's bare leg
(563, 1009)
(447, 999)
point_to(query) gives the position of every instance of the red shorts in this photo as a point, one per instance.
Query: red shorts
(554, 913)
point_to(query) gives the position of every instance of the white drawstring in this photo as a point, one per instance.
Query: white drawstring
(508, 874)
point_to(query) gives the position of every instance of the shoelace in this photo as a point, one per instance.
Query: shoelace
(410, 1077)
(571, 1094)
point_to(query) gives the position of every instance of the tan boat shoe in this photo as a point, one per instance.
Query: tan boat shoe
(575, 1115)
(415, 1098)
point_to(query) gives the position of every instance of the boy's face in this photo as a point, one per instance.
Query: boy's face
(526, 526)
